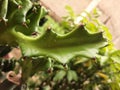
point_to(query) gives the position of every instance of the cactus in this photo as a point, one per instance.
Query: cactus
(47, 42)
(57, 56)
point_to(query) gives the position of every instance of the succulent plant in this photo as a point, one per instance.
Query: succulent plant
(76, 58)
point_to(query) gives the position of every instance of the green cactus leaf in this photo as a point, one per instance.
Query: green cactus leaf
(62, 47)
(22, 22)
